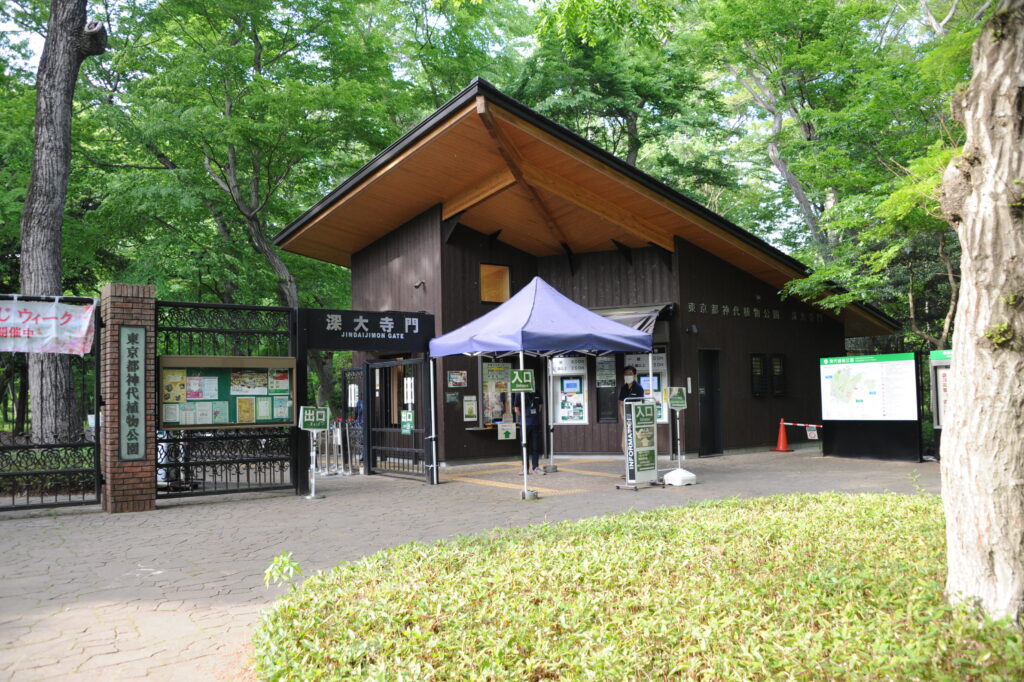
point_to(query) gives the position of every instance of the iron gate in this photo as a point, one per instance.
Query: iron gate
(392, 388)
(49, 474)
(353, 435)
(210, 462)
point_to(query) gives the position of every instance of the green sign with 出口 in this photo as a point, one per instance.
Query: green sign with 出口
(408, 421)
(522, 381)
(313, 418)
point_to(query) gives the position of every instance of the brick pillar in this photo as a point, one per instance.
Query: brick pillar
(128, 484)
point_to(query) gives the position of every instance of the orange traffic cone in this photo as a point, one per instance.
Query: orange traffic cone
(782, 444)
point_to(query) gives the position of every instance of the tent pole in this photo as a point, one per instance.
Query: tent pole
(549, 422)
(650, 382)
(522, 434)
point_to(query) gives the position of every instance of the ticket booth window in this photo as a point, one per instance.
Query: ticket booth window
(778, 375)
(494, 283)
(758, 375)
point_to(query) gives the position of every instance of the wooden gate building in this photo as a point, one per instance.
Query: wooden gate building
(485, 194)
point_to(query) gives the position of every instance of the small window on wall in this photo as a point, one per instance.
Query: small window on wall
(778, 375)
(758, 375)
(494, 283)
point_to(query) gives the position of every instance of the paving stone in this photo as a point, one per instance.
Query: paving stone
(173, 594)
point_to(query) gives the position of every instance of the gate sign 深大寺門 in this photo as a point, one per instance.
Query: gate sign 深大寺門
(313, 418)
(46, 327)
(522, 381)
(387, 330)
(641, 443)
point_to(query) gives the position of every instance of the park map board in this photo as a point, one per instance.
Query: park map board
(226, 392)
(869, 388)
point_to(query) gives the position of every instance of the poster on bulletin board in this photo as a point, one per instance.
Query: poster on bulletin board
(226, 391)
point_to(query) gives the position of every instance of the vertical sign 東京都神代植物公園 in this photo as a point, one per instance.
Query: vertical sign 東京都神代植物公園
(133, 393)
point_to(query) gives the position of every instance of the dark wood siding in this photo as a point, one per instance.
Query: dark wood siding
(605, 279)
(461, 258)
(385, 272)
(384, 275)
(748, 421)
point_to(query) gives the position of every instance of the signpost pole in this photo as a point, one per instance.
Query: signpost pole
(312, 466)
(313, 420)
(432, 368)
(679, 439)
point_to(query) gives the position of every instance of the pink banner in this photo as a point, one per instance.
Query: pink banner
(45, 327)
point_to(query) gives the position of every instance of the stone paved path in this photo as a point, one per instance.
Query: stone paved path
(174, 594)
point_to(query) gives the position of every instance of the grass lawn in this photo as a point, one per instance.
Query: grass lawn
(801, 586)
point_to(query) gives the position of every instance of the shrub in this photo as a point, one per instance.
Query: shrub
(802, 586)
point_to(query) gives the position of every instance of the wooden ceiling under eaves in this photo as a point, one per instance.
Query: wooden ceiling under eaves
(497, 170)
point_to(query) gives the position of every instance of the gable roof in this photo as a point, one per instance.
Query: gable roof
(497, 165)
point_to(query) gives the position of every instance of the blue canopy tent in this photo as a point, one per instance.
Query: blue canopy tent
(540, 321)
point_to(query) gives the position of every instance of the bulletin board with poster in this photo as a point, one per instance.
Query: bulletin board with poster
(201, 392)
(494, 379)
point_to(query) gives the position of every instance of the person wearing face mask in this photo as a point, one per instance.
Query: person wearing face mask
(631, 388)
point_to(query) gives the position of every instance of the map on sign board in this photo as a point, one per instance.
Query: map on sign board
(869, 388)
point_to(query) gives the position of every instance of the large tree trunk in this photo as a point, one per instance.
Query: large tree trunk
(983, 438)
(68, 42)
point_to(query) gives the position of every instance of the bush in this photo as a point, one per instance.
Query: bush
(803, 586)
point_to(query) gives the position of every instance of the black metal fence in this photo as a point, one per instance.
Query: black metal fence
(36, 475)
(209, 462)
(33, 476)
(215, 462)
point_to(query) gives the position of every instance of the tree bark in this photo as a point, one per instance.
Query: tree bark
(983, 437)
(69, 40)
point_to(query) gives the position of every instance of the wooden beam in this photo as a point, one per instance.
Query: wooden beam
(514, 161)
(626, 252)
(448, 226)
(664, 254)
(598, 205)
(477, 193)
(601, 167)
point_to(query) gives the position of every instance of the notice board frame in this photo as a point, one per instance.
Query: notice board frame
(226, 363)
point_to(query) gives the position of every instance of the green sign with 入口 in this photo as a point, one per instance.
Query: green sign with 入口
(313, 418)
(641, 443)
(522, 381)
(677, 397)
(506, 431)
(408, 421)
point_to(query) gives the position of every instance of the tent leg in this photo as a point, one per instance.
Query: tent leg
(549, 422)
(527, 493)
(650, 382)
